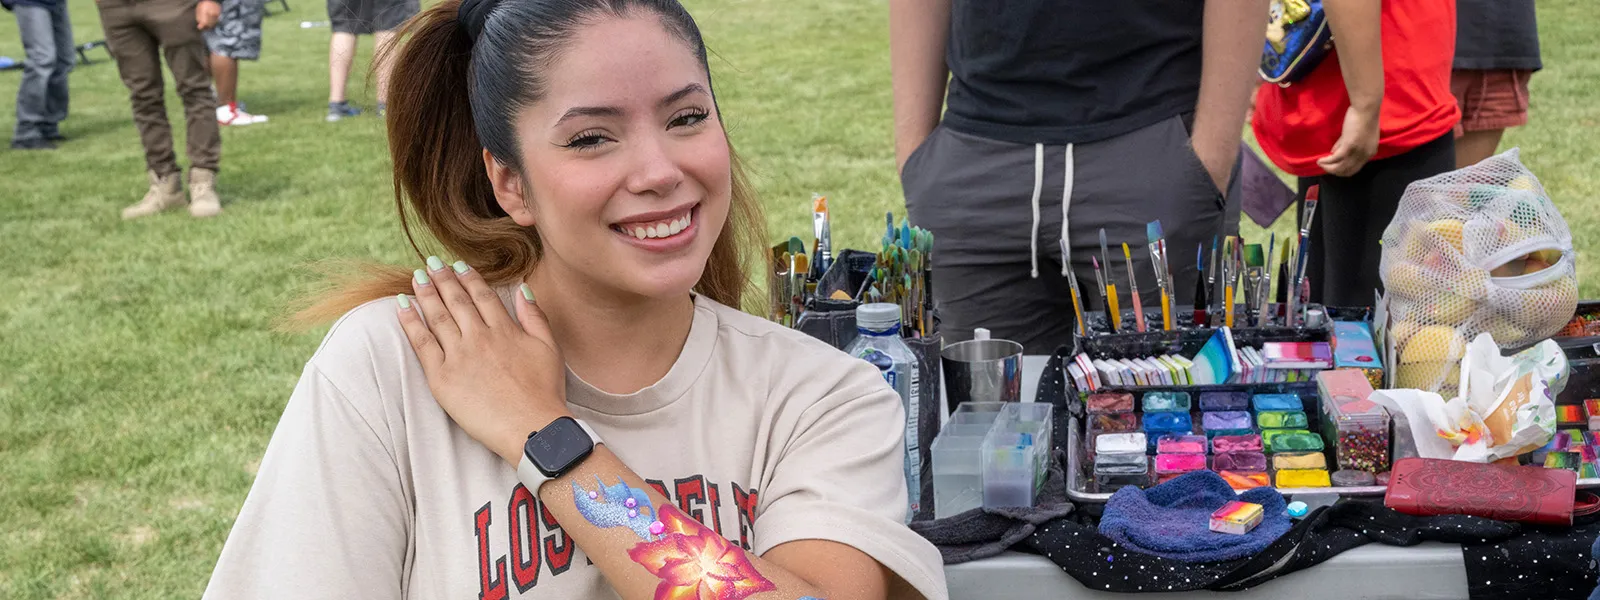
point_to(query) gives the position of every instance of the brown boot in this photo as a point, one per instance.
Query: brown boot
(203, 200)
(165, 192)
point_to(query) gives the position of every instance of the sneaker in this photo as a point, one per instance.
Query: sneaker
(233, 114)
(341, 110)
(165, 192)
(203, 200)
(55, 136)
(32, 144)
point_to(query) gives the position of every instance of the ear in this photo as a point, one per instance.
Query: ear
(508, 190)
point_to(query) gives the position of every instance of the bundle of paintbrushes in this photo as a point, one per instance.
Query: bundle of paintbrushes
(1110, 297)
(1234, 286)
(900, 272)
(790, 286)
(904, 275)
(1241, 279)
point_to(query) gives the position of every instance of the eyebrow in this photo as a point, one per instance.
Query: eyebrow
(612, 111)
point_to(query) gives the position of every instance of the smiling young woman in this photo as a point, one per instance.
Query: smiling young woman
(573, 409)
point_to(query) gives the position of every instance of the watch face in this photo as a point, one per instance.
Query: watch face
(558, 447)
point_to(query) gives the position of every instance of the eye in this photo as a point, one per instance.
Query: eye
(587, 140)
(689, 118)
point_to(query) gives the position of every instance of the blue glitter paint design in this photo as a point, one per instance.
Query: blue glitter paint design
(609, 509)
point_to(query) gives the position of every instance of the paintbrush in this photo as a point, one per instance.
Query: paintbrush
(778, 293)
(1282, 297)
(1230, 248)
(1296, 300)
(1072, 284)
(1211, 276)
(1133, 290)
(822, 228)
(1284, 259)
(1110, 302)
(1201, 303)
(1252, 282)
(799, 266)
(1264, 291)
(1108, 288)
(1158, 255)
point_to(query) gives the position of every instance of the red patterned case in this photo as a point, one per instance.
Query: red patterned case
(1427, 487)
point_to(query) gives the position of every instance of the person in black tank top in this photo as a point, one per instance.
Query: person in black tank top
(1063, 117)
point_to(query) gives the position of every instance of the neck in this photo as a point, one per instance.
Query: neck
(620, 345)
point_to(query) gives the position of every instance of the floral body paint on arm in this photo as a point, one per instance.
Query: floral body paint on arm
(692, 561)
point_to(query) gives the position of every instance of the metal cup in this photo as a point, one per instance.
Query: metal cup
(982, 371)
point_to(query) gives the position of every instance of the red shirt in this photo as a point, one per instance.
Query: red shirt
(1299, 124)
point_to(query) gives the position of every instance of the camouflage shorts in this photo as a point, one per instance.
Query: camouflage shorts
(238, 31)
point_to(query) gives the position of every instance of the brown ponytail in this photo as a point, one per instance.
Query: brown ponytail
(435, 146)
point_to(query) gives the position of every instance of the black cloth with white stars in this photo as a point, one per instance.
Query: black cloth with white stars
(1505, 560)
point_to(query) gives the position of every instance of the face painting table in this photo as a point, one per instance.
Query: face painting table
(1427, 571)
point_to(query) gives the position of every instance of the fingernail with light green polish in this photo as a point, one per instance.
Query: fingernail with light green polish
(527, 293)
(405, 303)
(422, 277)
(435, 264)
(460, 267)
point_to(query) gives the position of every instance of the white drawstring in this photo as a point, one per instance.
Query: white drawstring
(1066, 200)
(1038, 188)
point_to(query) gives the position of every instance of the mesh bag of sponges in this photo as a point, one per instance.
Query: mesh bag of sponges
(1481, 249)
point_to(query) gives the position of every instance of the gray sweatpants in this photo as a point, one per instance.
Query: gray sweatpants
(996, 211)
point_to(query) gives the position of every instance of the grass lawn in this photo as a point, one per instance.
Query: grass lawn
(140, 376)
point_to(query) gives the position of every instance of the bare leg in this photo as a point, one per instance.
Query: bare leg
(341, 54)
(382, 40)
(225, 75)
(1476, 146)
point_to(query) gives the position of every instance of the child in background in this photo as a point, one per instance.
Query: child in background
(1373, 117)
(1497, 50)
(236, 37)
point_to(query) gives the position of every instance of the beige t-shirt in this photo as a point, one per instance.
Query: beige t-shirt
(369, 490)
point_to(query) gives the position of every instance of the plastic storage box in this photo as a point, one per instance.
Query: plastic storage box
(957, 455)
(1016, 455)
(1357, 427)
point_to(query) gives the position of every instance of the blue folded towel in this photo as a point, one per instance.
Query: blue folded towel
(1173, 520)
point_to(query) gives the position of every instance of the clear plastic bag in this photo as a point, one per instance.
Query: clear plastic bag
(1477, 250)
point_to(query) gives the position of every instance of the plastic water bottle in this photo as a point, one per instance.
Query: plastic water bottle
(311, 24)
(880, 344)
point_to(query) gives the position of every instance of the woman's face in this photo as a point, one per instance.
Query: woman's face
(626, 167)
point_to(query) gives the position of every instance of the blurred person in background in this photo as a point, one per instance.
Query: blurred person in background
(1371, 118)
(48, 57)
(1060, 118)
(1497, 50)
(138, 34)
(236, 37)
(356, 17)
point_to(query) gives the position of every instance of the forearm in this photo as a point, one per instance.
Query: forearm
(1227, 74)
(918, 33)
(1357, 27)
(637, 546)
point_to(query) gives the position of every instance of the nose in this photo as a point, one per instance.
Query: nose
(656, 172)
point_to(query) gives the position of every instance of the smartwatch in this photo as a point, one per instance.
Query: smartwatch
(553, 451)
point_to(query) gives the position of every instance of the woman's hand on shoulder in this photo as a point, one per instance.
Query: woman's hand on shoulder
(498, 378)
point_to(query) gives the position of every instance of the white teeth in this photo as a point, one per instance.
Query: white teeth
(661, 230)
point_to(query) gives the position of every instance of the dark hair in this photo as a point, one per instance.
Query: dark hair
(454, 93)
